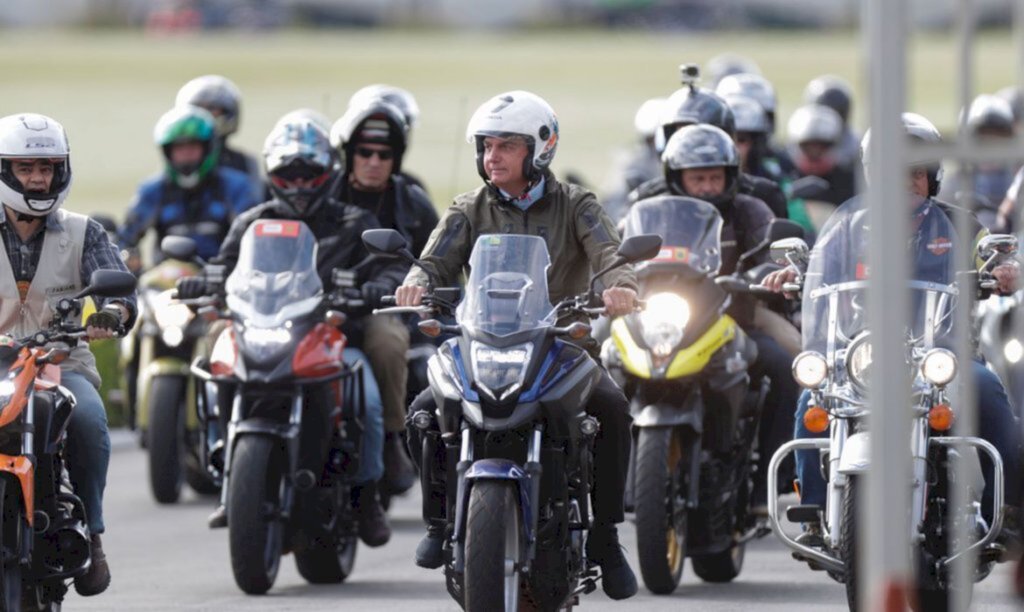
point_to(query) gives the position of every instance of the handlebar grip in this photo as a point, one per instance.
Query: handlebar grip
(791, 287)
(387, 300)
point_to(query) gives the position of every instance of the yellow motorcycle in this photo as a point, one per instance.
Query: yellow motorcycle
(683, 362)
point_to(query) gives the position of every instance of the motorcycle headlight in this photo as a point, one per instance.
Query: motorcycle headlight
(858, 362)
(939, 366)
(500, 372)
(171, 317)
(264, 342)
(810, 369)
(1013, 350)
(172, 336)
(663, 321)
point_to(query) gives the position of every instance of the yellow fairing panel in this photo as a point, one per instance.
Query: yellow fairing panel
(686, 362)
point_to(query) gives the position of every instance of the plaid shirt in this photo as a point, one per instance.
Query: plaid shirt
(98, 253)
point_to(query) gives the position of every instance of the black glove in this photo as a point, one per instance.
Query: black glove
(191, 287)
(373, 292)
(104, 319)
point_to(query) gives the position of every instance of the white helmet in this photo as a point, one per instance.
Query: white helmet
(216, 94)
(516, 113)
(748, 113)
(648, 117)
(815, 123)
(32, 136)
(753, 86)
(397, 96)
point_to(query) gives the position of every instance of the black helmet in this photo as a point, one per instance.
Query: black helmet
(1015, 97)
(990, 114)
(300, 149)
(693, 105)
(830, 91)
(377, 121)
(701, 146)
(920, 129)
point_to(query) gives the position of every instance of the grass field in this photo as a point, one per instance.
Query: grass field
(109, 88)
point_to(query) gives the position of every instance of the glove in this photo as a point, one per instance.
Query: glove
(191, 287)
(104, 319)
(373, 292)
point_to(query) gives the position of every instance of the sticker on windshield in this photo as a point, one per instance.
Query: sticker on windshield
(6, 340)
(277, 229)
(672, 254)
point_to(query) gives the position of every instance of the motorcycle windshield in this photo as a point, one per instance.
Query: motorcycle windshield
(690, 231)
(507, 289)
(836, 283)
(275, 279)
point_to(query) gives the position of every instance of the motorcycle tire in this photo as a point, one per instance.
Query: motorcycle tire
(326, 561)
(724, 566)
(11, 531)
(661, 541)
(166, 437)
(492, 541)
(198, 480)
(255, 531)
(848, 548)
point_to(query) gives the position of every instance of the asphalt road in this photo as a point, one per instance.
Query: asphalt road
(164, 558)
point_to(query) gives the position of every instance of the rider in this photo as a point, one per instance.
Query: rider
(192, 196)
(759, 89)
(516, 135)
(701, 161)
(692, 105)
(403, 100)
(222, 99)
(303, 171)
(751, 138)
(996, 422)
(372, 139)
(835, 93)
(815, 134)
(50, 252)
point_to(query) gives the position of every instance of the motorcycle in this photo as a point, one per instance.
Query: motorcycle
(510, 389)
(44, 534)
(293, 408)
(1000, 344)
(168, 336)
(835, 367)
(683, 363)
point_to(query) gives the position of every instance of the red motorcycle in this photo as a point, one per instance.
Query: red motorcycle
(291, 406)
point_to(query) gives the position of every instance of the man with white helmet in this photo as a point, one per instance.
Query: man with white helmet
(516, 136)
(222, 99)
(50, 253)
(759, 89)
(815, 134)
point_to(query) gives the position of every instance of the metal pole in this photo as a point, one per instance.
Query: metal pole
(886, 562)
(965, 391)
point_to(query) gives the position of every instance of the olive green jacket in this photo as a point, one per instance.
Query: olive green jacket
(581, 238)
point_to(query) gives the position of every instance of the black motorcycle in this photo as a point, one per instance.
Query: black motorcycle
(510, 391)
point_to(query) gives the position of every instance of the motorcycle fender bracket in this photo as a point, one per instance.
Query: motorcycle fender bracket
(856, 457)
(168, 366)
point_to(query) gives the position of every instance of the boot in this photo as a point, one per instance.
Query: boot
(218, 519)
(430, 552)
(617, 578)
(399, 473)
(97, 579)
(374, 530)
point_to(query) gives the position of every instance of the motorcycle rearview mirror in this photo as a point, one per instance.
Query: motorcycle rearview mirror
(632, 249)
(790, 251)
(109, 283)
(996, 247)
(809, 188)
(108, 223)
(386, 243)
(181, 248)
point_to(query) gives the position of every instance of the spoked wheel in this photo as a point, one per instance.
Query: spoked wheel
(255, 531)
(11, 531)
(493, 559)
(166, 437)
(660, 511)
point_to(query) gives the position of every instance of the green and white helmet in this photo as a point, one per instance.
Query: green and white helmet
(188, 123)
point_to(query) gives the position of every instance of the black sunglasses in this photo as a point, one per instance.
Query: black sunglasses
(367, 153)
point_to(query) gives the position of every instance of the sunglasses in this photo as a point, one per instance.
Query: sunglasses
(367, 153)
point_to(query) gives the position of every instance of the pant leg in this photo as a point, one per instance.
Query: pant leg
(88, 447)
(386, 343)
(998, 425)
(808, 462)
(371, 465)
(777, 417)
(433, 497)
(611, 450)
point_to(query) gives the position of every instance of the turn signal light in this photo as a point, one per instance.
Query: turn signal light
(940, 417)
(578, 331)
(335, 318)
(430, 328)
(816, 419)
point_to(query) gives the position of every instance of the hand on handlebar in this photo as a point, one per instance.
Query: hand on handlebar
(619, 301)
(102, 324)
(1007, 277)
(409, 295)
(782, 281)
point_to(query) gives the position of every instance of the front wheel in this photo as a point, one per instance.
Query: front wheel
(848, 546)
(327, 560)
(660, 518)
(493, 557)
(166, 437)
(720, 567)
(254, 510)
(11, 519)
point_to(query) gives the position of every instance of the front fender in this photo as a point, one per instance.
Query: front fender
(856, 457)
(500, 469)
(690, 413)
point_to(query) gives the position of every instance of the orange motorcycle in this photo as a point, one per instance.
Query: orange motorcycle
(44, 534)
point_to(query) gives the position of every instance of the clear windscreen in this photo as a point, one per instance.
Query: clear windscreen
(690, 230)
